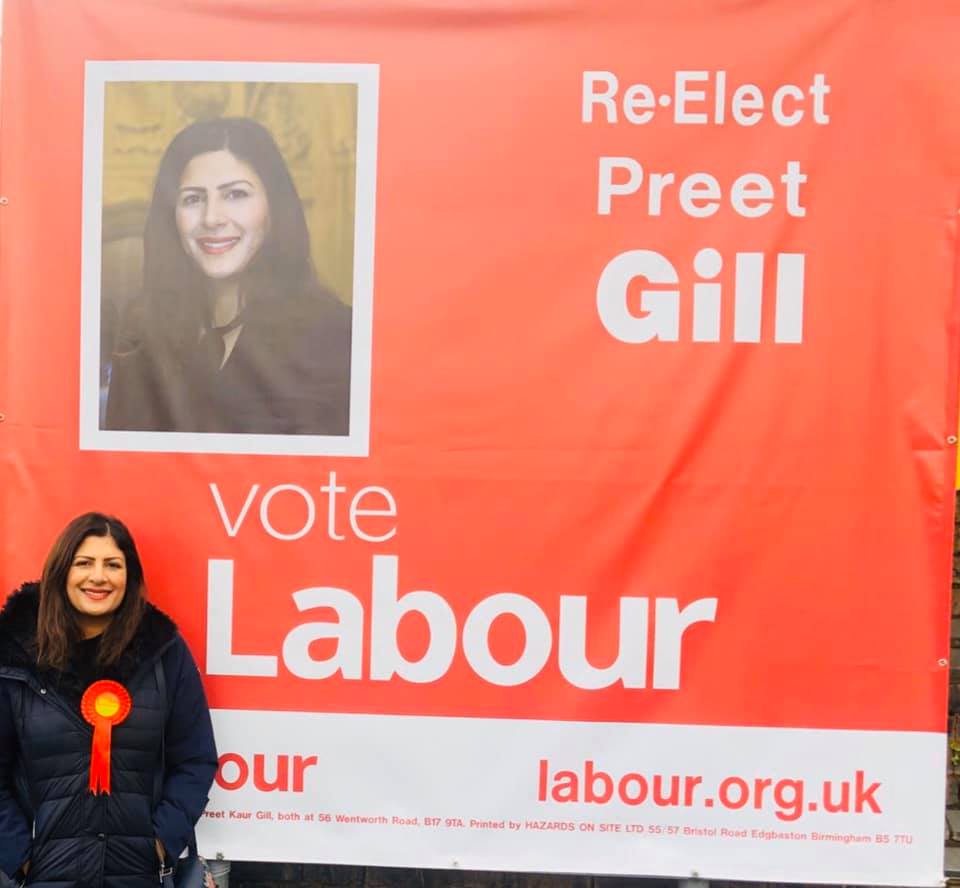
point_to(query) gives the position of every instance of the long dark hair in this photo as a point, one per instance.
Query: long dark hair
(174, 305)
(58, 629)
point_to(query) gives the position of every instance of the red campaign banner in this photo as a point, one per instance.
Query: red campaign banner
(538, 417)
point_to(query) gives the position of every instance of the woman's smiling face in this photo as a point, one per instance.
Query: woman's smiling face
(222, 213)
(96, 583)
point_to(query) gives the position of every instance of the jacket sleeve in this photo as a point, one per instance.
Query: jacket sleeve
(190, 754)
(15, 831)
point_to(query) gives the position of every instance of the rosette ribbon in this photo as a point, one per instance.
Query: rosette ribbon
(104, 704)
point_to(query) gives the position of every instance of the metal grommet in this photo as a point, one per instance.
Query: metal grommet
(4, 201)
(942, 662)
(3, 416)
(43, 690)
(951, 439)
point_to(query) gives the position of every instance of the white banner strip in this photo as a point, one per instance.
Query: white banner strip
(770, 804)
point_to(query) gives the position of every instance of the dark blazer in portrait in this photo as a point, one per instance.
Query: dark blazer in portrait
(288, 374)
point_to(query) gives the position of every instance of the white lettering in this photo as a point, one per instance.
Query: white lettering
(749, 188)
(605, 98)
(654, 314)
(658, 181)
(682, 95)
(333, 489)
(265, 512)
(221, 660)
(630, 665)
(789, 312)
(819, 90)
(476, 641)
(748, 297)
(746, 107)
(793, 179)
(700, 187)
(639, 96)
(365, 511)
(661, 307)
(672, 622)
(708, 263)
(389, 512)
(779, 115)
(232, 529)
(385, 657)
(607, 188)
(702, 98)
(347, 630)
(700, 194)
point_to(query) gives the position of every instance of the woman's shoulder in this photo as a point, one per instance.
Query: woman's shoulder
(326, 320)
(135, 396)
(153, 636)
(18, 626)
(23, 601)
(307, 302)
(169, 641)
(328, 304)
(313, 325)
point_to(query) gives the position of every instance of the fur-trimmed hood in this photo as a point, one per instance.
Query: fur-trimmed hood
(18, 636)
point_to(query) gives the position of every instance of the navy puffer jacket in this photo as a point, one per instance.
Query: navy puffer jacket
(73, 838)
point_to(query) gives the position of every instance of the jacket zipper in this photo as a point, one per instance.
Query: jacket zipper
(103, 839)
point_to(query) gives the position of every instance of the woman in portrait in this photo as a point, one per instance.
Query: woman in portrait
(84, 643)
(232, 333)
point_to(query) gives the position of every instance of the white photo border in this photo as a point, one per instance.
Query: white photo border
(97, 76)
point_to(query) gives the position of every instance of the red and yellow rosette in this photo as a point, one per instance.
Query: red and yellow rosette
(104, 704)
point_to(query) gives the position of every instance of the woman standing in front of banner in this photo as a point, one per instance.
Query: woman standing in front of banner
(85, 661)
(233, 333)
